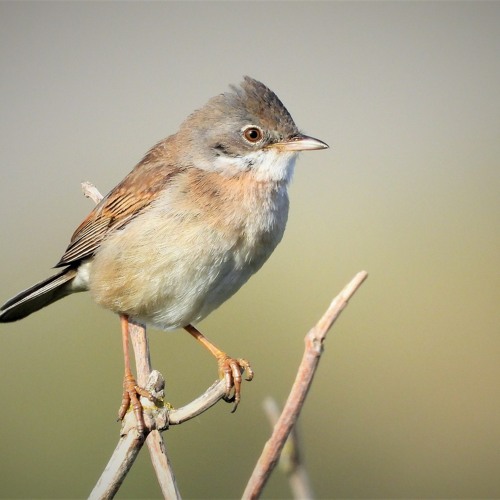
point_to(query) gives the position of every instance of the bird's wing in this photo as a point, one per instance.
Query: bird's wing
(136, 192)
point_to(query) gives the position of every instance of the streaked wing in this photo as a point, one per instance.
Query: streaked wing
(129, 198)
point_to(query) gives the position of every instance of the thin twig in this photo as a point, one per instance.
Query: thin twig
(130, 441)
(156, 446)
(290, 460)
(122, 459)
(90, 191)
(202, 403)
(314, 347)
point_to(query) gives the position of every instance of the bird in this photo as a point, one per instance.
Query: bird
(186, 228)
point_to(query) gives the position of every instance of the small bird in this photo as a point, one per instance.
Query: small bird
(187, 227)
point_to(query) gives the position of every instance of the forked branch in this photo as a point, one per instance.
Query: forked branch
(313, 350)
(158, 419)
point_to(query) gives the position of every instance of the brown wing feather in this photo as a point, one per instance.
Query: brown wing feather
(121, 205)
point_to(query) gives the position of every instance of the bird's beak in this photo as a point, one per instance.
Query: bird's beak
(301, 142)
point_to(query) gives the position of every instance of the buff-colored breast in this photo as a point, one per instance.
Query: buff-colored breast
(173, 267)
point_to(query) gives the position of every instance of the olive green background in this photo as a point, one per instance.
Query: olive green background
(406, 402)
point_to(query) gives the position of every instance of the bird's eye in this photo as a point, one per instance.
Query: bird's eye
(253, 134)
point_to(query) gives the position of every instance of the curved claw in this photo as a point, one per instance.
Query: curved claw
(231, 370)
(131, 394)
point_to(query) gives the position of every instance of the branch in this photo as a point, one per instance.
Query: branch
(290, 460)
(156, 419)
(131, 441)
(90, 191)
(121, 461)
(313, 350)
(154, 440)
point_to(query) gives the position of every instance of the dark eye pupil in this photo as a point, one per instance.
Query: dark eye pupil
(253, 134)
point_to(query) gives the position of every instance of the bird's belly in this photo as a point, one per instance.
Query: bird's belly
(174, 283)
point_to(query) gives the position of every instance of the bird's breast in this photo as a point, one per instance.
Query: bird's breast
(191, 251)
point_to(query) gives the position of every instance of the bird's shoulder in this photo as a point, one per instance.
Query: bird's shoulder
(123, 203)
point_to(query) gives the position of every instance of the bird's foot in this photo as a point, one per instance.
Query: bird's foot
(231, 369)
(131, 396)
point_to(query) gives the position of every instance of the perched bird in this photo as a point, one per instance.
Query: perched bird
(186, 228)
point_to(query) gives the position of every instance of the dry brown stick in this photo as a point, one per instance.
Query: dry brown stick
(156, 446)
(313, 349)
(290, 460)
(117, 468)
(202, 403)
(131, 442)
(90, 191)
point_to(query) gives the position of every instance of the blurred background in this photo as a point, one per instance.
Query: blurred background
(406, 400)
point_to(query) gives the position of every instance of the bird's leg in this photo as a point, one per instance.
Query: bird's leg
(131, 391)
(230, 369)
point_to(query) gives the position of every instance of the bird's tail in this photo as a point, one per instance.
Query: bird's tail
(40, 295)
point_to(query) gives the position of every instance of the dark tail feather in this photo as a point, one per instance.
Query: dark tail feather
(40, 295)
